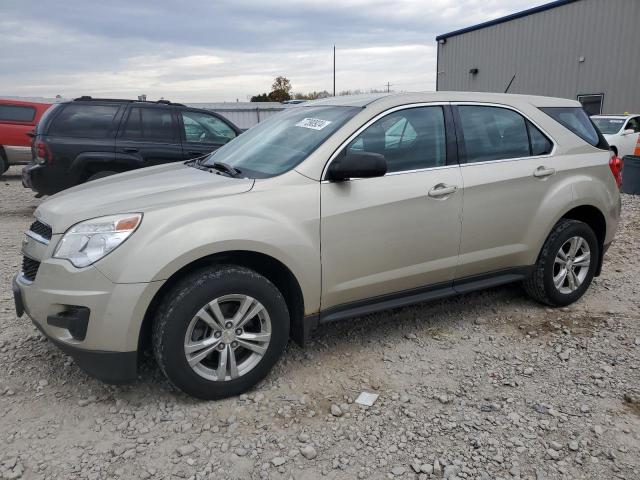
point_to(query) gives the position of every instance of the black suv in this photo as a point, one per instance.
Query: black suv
(90, 138)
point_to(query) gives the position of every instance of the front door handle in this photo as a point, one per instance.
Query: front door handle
(130, 150)
(442, 190)
(542, 172)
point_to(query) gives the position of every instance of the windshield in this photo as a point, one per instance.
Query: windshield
(280, 143)
(608, 126)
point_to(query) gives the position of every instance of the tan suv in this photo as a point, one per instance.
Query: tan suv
(329, 210)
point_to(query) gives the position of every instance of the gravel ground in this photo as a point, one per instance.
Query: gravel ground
(485, 386)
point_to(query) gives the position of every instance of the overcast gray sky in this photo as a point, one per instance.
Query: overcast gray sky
(223, 50)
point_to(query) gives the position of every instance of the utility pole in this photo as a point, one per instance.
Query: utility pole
(388, 86)
(334, 70)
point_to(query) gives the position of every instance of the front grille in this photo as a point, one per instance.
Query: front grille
(41, 229)
(30, 268)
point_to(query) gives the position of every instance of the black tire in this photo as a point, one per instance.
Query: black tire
(102, 174)
(540, 285)
(181, 304)
(4, 163)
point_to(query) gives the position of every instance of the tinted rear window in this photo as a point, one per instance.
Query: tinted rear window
(87, 121)
(155, 124)
(493, 133)
(16, 113)
(576, 120)
(46, 116)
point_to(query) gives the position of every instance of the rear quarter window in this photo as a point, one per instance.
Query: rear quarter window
(17, 113)
(48, 114)
(577, 121)
(85, 121)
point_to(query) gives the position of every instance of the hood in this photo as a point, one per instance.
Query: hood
(136, 191)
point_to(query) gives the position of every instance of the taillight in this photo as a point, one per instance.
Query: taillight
(43, 154)
(615, 164)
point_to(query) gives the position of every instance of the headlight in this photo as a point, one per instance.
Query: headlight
(87, 242)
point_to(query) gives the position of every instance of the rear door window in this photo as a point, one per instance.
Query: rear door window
(493, 133)
(150, 124)
(85, 121)
(576, 120)
(16, 113)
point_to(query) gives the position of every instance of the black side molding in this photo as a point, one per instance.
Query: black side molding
(490, 280)
(424, 294)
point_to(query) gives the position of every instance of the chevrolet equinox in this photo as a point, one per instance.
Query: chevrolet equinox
(328, 210)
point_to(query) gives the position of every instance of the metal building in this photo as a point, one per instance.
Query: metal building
(587, 50)
(243, 114)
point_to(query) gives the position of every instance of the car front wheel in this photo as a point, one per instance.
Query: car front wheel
(219, 331)
(566, 265)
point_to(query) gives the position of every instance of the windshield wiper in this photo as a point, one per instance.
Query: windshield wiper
(199, 163)
(226, 168)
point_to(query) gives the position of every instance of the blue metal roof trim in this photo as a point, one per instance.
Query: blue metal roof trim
(513, 16)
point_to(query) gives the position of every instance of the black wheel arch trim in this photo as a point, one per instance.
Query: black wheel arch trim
(88, 163)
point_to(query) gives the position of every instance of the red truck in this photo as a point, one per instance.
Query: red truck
(17, 119)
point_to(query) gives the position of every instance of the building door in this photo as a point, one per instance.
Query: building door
(592, 104)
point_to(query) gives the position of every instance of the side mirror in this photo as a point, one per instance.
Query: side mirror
(357, 165)
(628, 131)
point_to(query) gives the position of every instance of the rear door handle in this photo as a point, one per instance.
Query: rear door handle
(442, 190)
(542, 172)
(130, 150)
(193, 152)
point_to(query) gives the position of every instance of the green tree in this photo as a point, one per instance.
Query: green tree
(280, 90)
(263, 97)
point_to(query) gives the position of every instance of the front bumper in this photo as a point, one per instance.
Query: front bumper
(109, 367)
(95, 321)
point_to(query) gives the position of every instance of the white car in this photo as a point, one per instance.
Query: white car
(621, 131)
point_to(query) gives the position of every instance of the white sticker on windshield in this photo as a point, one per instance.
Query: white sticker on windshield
(313, 123)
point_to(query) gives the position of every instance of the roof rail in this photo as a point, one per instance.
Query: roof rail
(85, 98)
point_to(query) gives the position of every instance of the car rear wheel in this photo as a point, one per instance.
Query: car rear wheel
(219, 331)
(4, 163)
(566, 265)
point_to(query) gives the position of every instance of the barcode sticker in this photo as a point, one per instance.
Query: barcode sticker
(313, 123)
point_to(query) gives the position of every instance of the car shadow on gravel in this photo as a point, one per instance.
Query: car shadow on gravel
(435, 319)
(11, 176)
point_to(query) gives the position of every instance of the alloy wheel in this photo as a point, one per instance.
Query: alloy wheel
(571, 265)
(227, 337)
